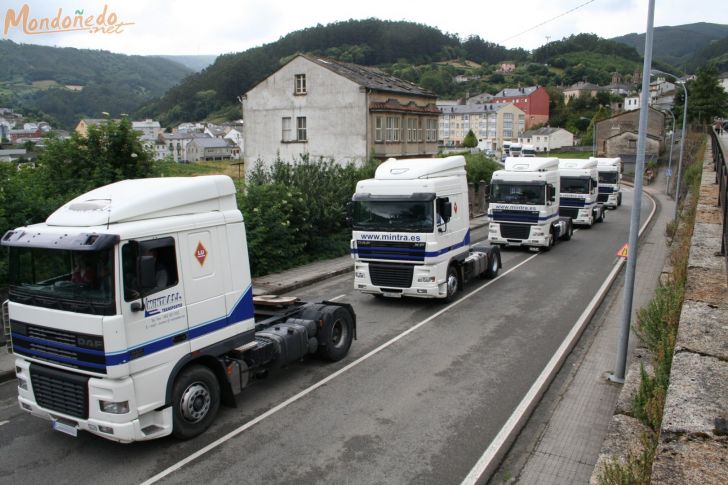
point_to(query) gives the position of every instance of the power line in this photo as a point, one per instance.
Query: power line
(547, 21)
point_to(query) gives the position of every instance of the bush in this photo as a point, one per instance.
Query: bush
(479, 167)
(316, 194)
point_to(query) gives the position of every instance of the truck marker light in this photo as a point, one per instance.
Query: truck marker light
(106, 429)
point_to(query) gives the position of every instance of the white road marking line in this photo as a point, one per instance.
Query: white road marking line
(4, 422)
(336, 298)
(323, 381)
(491, 457)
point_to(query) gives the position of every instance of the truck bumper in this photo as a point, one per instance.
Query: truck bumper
(585, 218)
(427, 282)
(537, 237)
(123, 428)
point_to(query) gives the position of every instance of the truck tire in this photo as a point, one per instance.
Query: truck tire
(552, 241)
(493, 265)
(195, 401)
(619, 200)
(569, 232)
(452, 283)
(335, 336)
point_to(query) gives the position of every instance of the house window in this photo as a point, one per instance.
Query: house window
(286, 128)
(300, 84)
(507, 125)
(378, 128)
(393, 128)
(421, 130)
(411, 130)
(301, 128)
(521, 123)
(431, 134)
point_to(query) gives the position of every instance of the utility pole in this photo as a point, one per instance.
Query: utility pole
(618, 375)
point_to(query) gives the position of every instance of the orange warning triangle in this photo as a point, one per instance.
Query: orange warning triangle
(622, 253)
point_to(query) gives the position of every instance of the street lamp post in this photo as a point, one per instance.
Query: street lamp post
(672, 144)
(619, 371)
(682, 137)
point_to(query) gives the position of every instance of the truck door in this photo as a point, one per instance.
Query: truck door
(154, 308)
(202, 264)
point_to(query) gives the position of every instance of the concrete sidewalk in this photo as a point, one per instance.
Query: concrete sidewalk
(276, 284)
(568, 436)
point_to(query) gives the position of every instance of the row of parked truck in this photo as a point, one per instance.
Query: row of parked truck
(411, 222)
(131, 309)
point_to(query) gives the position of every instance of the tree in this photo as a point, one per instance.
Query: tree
(110, 152)
(706, 98)
(470, 141)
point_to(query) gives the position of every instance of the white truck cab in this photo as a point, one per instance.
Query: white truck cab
(516, 150)
(132, 312)
(610, 181)
(524, 204)
(579, 191)
(528, 151)
(411, 230)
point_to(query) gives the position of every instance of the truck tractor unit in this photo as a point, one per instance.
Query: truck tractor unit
(579, 192)
(610, 181)
(516, 150)
(524, 204)
(411, 231)
(132, 313)
(528, 151)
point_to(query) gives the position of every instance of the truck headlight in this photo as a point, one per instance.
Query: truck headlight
(22, 383)
(426, 279)
(359, 274)
(121, 407)
(537, 231)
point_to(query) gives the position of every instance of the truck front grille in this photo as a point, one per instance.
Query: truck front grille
(572, 212)
(60, 391)
(602, 197)
(515, 231)
(71, 349)
(399, 250)
(391, 275)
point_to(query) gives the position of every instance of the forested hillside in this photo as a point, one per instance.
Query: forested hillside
(68, 83)
(678, 44)
(414, 52)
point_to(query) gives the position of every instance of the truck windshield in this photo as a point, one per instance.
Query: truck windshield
(393, 215)
(608, 177)
(515, 193)
(76, 281)
(575, 185)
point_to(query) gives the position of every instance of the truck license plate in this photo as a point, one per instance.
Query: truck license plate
(391, 294)
(65, 428)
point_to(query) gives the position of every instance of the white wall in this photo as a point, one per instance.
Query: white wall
(334, 107)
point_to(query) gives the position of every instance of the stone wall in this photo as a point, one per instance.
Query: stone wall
(693, 443)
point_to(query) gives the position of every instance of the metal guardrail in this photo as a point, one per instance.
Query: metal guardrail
(721, 178)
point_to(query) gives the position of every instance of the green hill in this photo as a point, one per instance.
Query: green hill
(69, 84)
(716, 53)
(367, 42)
(196, 63)
(678, 44)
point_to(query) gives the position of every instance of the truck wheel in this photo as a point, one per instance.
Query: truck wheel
(493, 265)
(619, 200)
(452, 282)
(569, 232)
(335, 337)
(195, 401)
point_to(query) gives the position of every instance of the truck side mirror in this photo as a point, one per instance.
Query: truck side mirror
(349, 212)
(147, 272)
(446, 211)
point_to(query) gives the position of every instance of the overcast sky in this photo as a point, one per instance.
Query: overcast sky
(218, 26)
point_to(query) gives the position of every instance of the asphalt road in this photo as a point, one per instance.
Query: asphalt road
(418, 407)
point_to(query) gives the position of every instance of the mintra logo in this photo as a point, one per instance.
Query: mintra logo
(105, 22)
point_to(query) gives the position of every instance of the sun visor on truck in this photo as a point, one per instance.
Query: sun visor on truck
(416, 197)
(72, 242)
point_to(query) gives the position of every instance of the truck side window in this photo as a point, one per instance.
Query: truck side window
(165, 266)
